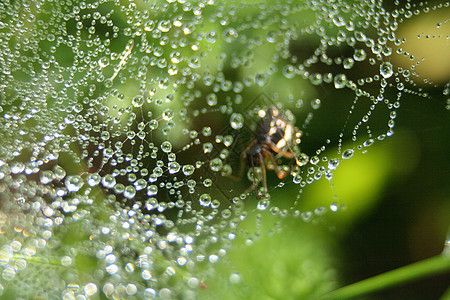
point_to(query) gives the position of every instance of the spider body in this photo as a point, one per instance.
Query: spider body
(274, 138)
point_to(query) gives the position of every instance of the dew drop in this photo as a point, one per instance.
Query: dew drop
(166, 146)
(138, 101)
(316, 78)
(167, 114)
(271, 36)
(359, 55)
(93, 179)
(333, 163)
(46, 177)
(368, 143)
(206, 131)
(348, 63)
(237, 121)
(207, 147)
(66, 261)
(216, 164)
(289, 71)
(152, 190)
(263, 204)
(207, 182)
(230, 34)
(74, 183)
(8, 273)
(347, 154)
(297, 179)
(386, 69)
(303, 159)
(228, 140)
(235, 278)
(211, 99)
(205, 200)
(108, 181)
(339, 81)
(153, 124)
(261, 79)
(174, 167)
(334, 207)
(90, 289)
(213, 258)
(129, 192)
(316, 103)
(188, 170)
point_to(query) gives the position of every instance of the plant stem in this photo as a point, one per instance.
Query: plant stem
(415, 271)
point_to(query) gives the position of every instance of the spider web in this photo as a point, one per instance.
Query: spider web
(119, 122)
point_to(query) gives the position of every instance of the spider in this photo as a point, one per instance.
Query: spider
(274, 138)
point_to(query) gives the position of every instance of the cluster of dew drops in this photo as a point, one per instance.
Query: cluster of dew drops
(111, 133)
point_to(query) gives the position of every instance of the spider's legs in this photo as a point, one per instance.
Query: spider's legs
(255, 179)
(263, 170)
(288, 154)
(280, 173)
(242, 164)
(292, 152)
(255, 184)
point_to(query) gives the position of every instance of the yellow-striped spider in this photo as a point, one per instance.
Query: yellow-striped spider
(274, 138)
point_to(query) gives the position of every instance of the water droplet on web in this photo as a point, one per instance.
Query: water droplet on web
(205, 200)
(129, 192)
(108, 181)
(261, 79)
(334, 207)
(230, 34)
(59, 172)
(188, 170)
(340, 81)
(297, 179)
(237, 121)
(211, 99)
(263, 204)
(368, 142)
(271, 36)
(153, 124)
(167, 114)
(314, 160)
(347, 154)
(206, 131)
(316, 78)
(315, 104)
(207, 182)
(386, 69)
(174, 167)
(152, 190)
(90, 289)
(8, 274)
(235, 278)
(166, 147)
(333, 164)
(74, 183)
(216, 164)
(289, 71)
(46, 176)
(207, 147)
(66, 261)
(138, 101)
(348, 63)
(359, 55)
